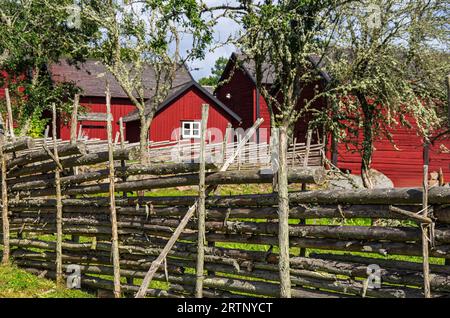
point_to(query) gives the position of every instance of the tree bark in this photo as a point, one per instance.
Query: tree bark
(112, 200)
(367, 144)
(59, 207)
(283, 215)
(144, 136)
(201, 208)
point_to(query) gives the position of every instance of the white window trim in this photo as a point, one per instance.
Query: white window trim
(190, 134)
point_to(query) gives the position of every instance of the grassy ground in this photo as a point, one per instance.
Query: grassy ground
(17, 283)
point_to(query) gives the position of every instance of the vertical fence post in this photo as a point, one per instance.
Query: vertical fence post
(425, 227)
(73, 139)
(225, 142)
(283, 216)
(201, 207)
(123, 166)
(308, 148)
(5, 220)
(294, 152)
(10, 115)
(112, 199)
(59, 208)
(74, 119)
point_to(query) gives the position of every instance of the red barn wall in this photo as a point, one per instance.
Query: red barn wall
(120, 107)
(242, 101)
(402, 163)
(186, 107)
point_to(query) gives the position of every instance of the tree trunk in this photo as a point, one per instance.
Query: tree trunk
(144, 136)
(367, 145)
(283, 214)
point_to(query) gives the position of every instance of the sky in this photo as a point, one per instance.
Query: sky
(224, 28)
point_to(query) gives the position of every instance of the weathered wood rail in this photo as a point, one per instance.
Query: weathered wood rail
(241, 229)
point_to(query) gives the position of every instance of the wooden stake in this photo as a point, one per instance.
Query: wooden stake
(425, 236)
(59, 207)
(308, 147)
(283, 216)
(293, 151)
(112, 200)
(10, 115)
(201, 208)
(225, 142)
(5, 220)
(73, 140)
(412, 216)
(74, 119)
(159, 260)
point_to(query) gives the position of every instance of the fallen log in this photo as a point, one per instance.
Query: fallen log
(310, 175)
(346, 232)
(219, 213)
(411, 216)
(75, 161)
(18, 145)
(137, 169)
(407, 196)
(393, 196)
(383, 263)
(382, 248)
(181, 250)
(42, 155)
(393, 276)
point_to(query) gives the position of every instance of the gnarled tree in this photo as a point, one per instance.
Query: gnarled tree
(287, 40)
(136, 35)
(388, 60)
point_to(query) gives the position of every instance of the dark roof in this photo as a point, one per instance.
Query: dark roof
(268, 77)
(175, 92)
(90, 77)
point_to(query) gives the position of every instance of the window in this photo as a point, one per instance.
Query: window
(190, 129)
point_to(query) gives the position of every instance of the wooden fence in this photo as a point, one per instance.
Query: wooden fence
(241, 230)
(253, 155)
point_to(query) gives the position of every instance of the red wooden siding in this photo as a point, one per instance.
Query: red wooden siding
(186, 107)
(402, 163)
(242, 101)
(120, 107)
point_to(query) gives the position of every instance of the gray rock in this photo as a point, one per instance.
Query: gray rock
(351, 181)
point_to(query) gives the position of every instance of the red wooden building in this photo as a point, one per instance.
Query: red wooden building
(182, 107)
(402, 163)
(241, 95)
(179, 116)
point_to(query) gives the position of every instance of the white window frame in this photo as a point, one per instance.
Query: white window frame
(189, 132)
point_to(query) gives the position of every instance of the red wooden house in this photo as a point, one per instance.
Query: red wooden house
(179, 116)
(181, 107)
(402, 163)
(241, 95)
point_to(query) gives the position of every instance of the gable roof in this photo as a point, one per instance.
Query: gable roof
(175, 92)
(90, 77)
(268, 77)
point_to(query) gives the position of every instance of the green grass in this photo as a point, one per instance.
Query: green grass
(17, 283)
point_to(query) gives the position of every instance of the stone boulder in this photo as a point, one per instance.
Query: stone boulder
(351, 181)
